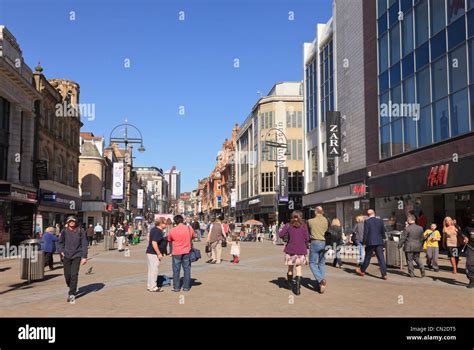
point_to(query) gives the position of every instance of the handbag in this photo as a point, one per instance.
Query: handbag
(208, 248)
(194, 254)
(224, 243)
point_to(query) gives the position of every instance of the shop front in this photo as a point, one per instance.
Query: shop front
(438, 190)
(17, 209)
(54, 207)
(343, 202)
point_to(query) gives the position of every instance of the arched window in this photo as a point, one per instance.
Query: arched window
(45, 156)
(59, 175)
(71, 175)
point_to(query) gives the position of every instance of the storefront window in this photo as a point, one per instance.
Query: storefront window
(5, 215)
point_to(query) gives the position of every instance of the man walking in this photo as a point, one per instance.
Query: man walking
(73, 247)
(318, 226)
(468, 239)
(98, 232)
(412, 240)
(374, 234)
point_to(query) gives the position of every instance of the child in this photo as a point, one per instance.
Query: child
(431, 245)
(235, 249)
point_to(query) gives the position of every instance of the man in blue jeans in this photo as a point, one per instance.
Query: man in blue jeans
(181, 236)
(318, 226)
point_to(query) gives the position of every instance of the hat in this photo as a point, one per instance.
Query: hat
(71, 218)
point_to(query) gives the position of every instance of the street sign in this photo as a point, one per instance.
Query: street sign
(283, 190)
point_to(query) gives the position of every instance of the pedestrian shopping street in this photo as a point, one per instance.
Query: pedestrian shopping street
(116, 287)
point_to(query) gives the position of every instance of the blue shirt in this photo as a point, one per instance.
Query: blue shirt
(48, 245)
(156, 235)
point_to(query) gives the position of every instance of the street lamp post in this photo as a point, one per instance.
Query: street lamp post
(126, 140)
(277, 143)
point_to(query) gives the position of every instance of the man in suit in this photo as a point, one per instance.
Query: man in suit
(412, 240)
(374, 234)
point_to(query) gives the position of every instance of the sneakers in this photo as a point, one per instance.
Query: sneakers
(156, 290)
(322, 286)
(71, 298)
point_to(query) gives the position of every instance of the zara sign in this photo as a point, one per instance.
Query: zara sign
(333, 134)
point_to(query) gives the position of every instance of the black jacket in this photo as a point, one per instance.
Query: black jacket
(73, 243)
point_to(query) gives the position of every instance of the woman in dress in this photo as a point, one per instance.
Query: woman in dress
(296, 235)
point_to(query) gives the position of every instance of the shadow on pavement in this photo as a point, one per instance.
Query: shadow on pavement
(84, 290)
(282, 283)
(5, 269)
(448, 281)
(26, 285)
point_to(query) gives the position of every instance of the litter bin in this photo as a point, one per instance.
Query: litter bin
(32, 260)
(109, 242)
(393, 255)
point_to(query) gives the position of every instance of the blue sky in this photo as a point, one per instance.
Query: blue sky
(173, 63)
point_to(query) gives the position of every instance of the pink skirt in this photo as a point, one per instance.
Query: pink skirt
(295, 260)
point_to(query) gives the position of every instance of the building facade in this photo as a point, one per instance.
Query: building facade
(156, 189)
(426, 147)
(19, 103)
(340, 76)
(276, 117)
(58, 153)
(95, 181)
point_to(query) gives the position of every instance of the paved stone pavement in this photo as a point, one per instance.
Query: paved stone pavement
(255, 287)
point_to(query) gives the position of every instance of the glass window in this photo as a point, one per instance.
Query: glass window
(393, 14)
(408, 65)
(300, 119)
(422, 87)
(397, 141)
(459, 113)
(382, 24)
(395, 74)
(409, 90)
(293, 124)
(424, 127)
(470, 4)
(396, 94)
(288, 119)
(457, 69)
(438, 45)
(441, 122)
(409, 133)
(300, 149)
(407, 34)
(470, 24)
(455, 9)
(383, 82)
(385, 141)
(438, 16)
(294, 154)
(406, 5)
(271, 120)
(422, 56)
(456, 33)
(395, 44)
(421, 14)
(381, 7)
(471, 61)
(384, 102)
(440, 79)
(383, 47)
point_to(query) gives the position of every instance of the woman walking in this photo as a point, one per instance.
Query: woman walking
(451, 235)
(297, 237)
(215, 238)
